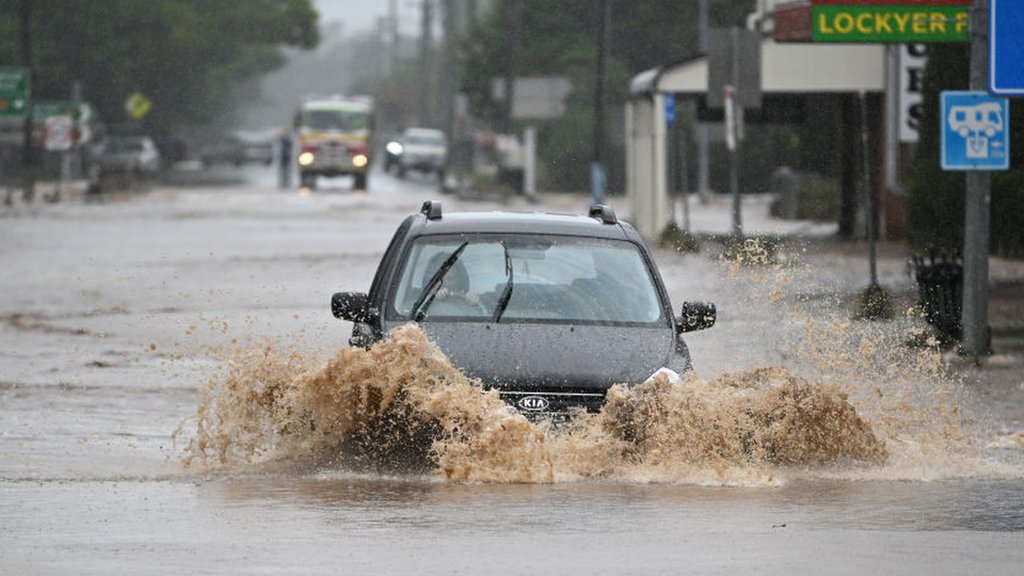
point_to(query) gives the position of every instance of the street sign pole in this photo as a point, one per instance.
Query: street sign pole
(736, 108)
(975, 342)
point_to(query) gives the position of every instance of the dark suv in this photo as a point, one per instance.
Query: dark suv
(551, 310)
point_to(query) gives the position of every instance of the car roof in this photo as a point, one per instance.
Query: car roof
(350, 104)
(600, 223)
(423, 132)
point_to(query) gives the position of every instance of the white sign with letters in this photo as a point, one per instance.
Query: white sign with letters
(913, 58)
(59, 135)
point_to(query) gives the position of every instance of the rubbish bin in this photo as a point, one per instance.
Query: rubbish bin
(940, 281)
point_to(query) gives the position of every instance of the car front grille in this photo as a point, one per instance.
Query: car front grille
(552, 402)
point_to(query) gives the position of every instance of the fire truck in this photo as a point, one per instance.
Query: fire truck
(335, 139)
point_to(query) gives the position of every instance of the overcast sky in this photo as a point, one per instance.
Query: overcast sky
(362, 14)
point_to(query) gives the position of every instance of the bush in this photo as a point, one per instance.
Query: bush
(817, 199)
(936, 197)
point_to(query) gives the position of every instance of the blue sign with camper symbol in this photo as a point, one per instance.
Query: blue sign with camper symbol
(975, 131)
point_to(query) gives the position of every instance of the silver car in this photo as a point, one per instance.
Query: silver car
(424, 150)
(130, 154)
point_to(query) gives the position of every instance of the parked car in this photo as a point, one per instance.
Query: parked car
(257, 147)
(421, 149)
(551, 310)
(129, 154)
(227, 149)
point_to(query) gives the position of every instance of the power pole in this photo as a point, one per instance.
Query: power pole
(513, 39)
(27, 161)
(425, 47)
(974, 317)
(448, 77)
(703, 155)
(598, 173)
(393, 28)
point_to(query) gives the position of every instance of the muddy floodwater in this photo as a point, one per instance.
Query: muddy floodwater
(176, 398)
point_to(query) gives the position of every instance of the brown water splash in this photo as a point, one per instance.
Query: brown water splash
(402, 406)
(398, 406)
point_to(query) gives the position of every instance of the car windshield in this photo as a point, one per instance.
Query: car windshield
(555, 279)
(425, 139)
(125, 146)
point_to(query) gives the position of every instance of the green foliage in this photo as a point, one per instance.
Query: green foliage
(560, 38)
(1007, 226)
(936, 197)
(817, 199)
(675, 238)
(186, 56)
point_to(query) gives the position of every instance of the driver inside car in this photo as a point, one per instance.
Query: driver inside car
(454, 285)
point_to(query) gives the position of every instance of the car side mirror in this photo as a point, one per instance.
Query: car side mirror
(696, 316)
(354, 307)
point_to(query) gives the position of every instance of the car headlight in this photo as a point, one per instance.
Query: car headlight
(306, 158)
(672, 375)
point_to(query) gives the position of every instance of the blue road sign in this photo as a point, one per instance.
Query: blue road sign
(670, 109)
(975, 131)
(1005, 46)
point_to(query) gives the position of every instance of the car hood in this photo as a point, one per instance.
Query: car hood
(533, 356)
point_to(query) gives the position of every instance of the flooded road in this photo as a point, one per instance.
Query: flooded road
(141, 335)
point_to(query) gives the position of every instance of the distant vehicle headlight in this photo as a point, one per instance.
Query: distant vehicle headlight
(306, 158)
(359, 160)
(395, 148)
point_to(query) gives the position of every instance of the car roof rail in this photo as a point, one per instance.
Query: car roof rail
(431, 209)
(604, 213)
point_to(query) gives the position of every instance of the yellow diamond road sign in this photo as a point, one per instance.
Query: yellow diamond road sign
(137, 106)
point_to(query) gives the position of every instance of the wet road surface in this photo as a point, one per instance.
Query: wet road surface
(117, 312)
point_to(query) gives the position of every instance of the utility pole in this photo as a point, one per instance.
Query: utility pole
(27, 161)
(513, 39)
(976, 341)
(448, 79)
(393, 28)
(425, 47)
(703, 156)
(598, 172)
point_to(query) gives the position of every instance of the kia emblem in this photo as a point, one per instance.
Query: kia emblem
(534, 403)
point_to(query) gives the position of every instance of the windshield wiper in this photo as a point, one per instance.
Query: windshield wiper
(426, 297)
(506, 294)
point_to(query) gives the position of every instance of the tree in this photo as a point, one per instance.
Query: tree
(936, 196)
(186, 56)
(559, 38)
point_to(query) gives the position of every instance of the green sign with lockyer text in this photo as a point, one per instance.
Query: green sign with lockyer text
(890, 23)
